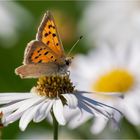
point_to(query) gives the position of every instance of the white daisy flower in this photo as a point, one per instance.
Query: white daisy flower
(51, 95)
(110, 70)
(116, 22)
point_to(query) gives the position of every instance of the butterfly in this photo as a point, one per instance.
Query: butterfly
(45, 55)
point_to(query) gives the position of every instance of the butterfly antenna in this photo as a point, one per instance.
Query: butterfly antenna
(74, 45)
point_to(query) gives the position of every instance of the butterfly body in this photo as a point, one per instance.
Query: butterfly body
(45, 55)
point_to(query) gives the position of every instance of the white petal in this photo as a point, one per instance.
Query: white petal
(8, 94)
(107, 94)
(11, 108)
(8, 98)
(43, 112)
(17, 114)
(14, 106)
(13, 94)
(86, 108)
(99, 110)
(132, 113)
(71, 113)
(98, 125)
(28, 116)
(58, 112)
(40, 115)
(49, 107)
(77, 118)
(95, 103)
(88, 98)
(44, 106)
(71, 100)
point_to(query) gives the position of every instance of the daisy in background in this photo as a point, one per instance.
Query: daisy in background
(51, 96)
(110, 70)
(116, 22)
(11, 22)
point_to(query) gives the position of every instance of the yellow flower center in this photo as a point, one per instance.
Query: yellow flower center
(54, 86)
(117, 80)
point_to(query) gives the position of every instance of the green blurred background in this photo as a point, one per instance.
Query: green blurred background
(67, 15)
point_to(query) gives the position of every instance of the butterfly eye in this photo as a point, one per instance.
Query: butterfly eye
(67, 62)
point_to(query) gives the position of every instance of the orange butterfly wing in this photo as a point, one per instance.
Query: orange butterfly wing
(37, 52)
(48, 34)
(44, 55)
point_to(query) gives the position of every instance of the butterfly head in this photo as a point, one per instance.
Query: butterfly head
(68, 61)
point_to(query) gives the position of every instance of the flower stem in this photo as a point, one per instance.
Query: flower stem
(55, 125)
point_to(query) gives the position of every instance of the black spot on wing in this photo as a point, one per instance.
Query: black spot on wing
(53, 34)
(36, 57)
(48, 42)
(46, 34)
(39, 50)
(39, 61)
(46, 53)
(49, 26)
